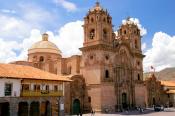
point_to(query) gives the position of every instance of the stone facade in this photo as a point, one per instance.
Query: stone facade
(111, 64)
(108, 76)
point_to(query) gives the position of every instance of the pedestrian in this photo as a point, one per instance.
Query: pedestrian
(92, 112)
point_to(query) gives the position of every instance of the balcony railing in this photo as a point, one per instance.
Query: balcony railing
(41, 93)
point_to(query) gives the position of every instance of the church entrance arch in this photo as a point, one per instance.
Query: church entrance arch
(76, 106)
(124, 100)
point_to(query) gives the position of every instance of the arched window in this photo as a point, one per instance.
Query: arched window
(136, 44)
(41, 59)
(89, 99)
(138, 63)
(104, 19)
(104, 34)
(124, 31)
(107, 57)
(70, 70)
(106, 74)
(92, 20)
(92, 34)
(138, 77)
(91, 57)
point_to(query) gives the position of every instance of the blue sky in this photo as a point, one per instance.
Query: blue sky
(20, 19)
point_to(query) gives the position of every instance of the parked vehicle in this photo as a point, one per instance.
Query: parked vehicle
(158, 108)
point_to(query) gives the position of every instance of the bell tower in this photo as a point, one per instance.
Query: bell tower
(97, 26)
(97, 58)
(130, 33)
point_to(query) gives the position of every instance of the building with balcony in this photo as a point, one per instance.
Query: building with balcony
(28, 91)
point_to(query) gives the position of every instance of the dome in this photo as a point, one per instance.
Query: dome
(44, 46)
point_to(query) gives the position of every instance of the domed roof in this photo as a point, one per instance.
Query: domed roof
(44, 46)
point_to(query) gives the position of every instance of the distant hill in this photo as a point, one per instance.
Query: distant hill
(167, 74)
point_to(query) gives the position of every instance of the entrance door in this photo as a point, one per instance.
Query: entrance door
(4, 109)
(154, 101)
(124, 100)
(22, 109)
(34, 109)
(76, 106)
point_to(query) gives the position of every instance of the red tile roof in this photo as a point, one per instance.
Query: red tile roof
(168, 83)
(28, 72)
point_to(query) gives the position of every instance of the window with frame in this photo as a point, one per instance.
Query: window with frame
(104, 33)
(89, 99)
(8, 89)
(92, 33)
(47, 87)
(124, 31)
(25, 87)
(55, 88)
(107, 57)
(106, 73)
(41, 59)
(36, 87)
(91, 57)
(136, 46)
(138, 77)
(60, 87)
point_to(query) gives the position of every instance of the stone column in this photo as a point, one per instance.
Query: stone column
(54, 106)
(29, 108)
(13, 107)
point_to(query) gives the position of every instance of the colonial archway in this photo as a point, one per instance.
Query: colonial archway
(124, 101)
(76, 106)
(34, 109)
(4, 109)
(23, 109)
(45, 109)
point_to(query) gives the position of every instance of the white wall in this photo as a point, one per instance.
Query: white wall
(16, 83)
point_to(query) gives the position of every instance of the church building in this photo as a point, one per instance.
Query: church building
(108, 76)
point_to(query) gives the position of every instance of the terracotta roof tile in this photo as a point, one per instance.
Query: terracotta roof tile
(168, 83)
(171, 91)
(28, 72)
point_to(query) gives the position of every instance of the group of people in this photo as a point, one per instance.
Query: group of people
(81, 114)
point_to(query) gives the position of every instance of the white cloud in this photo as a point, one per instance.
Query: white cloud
(29, 17)
(136, 21)
(13, 27)
(33, 13)
(68, 39)
(69, 6)
(8, 48)
(143, 46)
(162, 53)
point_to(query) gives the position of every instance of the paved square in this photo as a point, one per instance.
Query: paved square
(148, 112)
